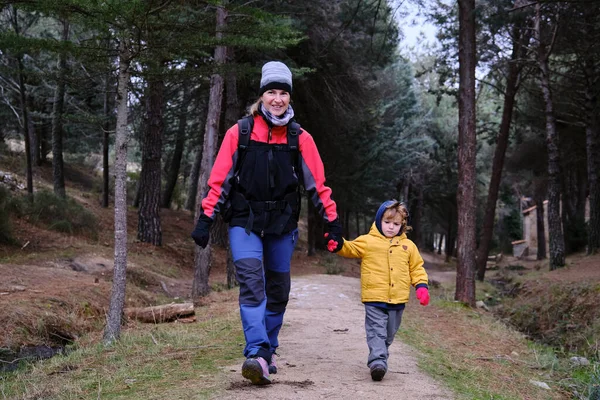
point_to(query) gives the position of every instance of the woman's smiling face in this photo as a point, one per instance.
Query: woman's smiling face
(276, 101)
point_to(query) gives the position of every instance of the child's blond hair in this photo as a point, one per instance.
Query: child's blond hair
(398, 212)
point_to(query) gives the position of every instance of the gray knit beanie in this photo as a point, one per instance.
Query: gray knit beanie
(275, 75)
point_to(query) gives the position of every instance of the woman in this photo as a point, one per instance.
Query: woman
(255, 184)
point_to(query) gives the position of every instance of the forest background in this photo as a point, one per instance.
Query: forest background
(499, 116)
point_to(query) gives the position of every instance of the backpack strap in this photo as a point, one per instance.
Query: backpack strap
(245, 126)
(293, 132)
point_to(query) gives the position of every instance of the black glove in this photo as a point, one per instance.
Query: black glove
(201, 233)
(334, 236)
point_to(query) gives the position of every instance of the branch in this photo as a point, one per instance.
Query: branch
(551, 46)
(11, 107)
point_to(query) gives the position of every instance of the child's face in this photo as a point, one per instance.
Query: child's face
(391, 225)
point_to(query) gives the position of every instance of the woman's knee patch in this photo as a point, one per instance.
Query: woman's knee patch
(249, 274)
(278, 290)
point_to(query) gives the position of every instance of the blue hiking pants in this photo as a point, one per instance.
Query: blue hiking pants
(263, 273)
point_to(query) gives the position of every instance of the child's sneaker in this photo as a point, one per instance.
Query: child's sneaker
(256, 370)
(273, 365)
(378, 372)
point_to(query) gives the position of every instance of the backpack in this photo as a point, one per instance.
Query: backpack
(245, 126)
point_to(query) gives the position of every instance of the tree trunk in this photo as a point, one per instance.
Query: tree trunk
(202, 257)
(106, 142)
(450, 237)
(592, 135)
(232, 113)
(149, 228)
(467, 151)
(58, 174)
(557, 243)
(357, 220)
(231, 280)
(34, 144)
(24, 113)
(512, 84)
(311, 220)
(190, 203)
(541, 229)
(173, 173)
(159, 314)
(347, 224)
(417, 218)
(440, 242)
(45, 148)
(117, 297)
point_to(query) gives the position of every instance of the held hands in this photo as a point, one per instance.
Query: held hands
(334, 234)
(423, 295)
(201, 232)
(332, 245)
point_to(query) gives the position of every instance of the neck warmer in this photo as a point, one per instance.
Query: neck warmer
(277, 121)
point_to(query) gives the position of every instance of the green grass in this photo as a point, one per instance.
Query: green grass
(167, 361)
(475, 355)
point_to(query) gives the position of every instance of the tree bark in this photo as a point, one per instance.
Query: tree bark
(592, 136)
(190, 203)
(417, 218)
(202, 257)
(159, 314)
(541, 229)
(106, 140)
(149, 227)
(24, 113)
(231, 279)
(58, 174)
(557, 243)
(232, 113)
(467, 151)
(311, 221)
(173, 173)
(117, 297)
(512, 84)
(347, 224)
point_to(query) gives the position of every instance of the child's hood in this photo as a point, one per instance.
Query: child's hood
(379, 216)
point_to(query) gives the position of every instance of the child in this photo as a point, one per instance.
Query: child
(391, 263)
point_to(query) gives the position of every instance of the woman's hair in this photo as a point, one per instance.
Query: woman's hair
(398, 210)
(253, 110)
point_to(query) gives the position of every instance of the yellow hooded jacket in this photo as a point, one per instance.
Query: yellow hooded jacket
(388, 268)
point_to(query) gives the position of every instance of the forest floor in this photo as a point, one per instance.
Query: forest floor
(55, 290)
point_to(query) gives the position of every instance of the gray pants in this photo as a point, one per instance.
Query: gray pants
(381, 326)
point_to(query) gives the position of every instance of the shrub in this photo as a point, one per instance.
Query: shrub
(332, 265)
(5, 226)
(63, 215)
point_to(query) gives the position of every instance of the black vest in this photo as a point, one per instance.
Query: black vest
(265, 187)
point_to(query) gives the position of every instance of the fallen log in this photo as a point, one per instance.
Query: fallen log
(159, 314)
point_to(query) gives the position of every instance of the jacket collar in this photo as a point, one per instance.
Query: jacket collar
(374, 231)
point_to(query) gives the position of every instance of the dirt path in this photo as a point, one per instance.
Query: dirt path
(323, 351)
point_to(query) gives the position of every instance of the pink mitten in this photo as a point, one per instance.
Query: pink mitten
(332, 245)
(423, 295)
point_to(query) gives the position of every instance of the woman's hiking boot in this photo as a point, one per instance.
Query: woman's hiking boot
(256, 370)
(273, 365)
(378, 372)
